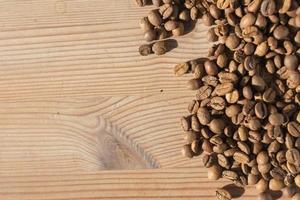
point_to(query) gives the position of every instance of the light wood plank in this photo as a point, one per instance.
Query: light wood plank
(45, 55)
(181, 183)
(95, 134)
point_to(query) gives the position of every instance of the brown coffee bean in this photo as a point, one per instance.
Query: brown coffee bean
(214, 172)
(247, 92)
(224, 88)
(278, 173)
(268, 7)
(231, 175)
(211, 67)
(252, 179)
(181, 69)
(208, 160)
(159, 48)
(294, 128)
(237, 119)
(145, 49)
(276, 119)
(187, 151)
(207, 147)
(217, 103)
(194, 84)
(265, 168)
(281, 32)
(274, 147)
(204, 92)
(191, 136)
(269, 95)
(196, 147)
(223, 161)
(222, 194)
(293, 156)
(193, 106)
(289, 141)
(229, 152)
(150, 35)
(210, 80)
(293, 169)
(199, 70)
(276, 185)
(203, 116)
(261, 110)
(254, 124)
(145, 24)
(247, 20)
(155, 18)
(207, 19)
(280, 156)
(195, 125)
(225, 77)
(185, 123)
(258, 83)
(232, 41)
(262, 158)
(232, 97)
(217, 126)
(291, 62)
(241, 157)
(232, 110)
(244, 147)
(262, 185)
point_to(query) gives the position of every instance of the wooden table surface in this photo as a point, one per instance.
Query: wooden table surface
(82, 115)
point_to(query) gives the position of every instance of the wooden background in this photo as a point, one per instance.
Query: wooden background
(82, 115)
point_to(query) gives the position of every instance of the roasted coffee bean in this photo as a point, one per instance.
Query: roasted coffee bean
(181, 69)
(276, 119)
(294, 128)
(262, 185)
(204, 92)
(217, 126)
(187, 151)
(262, 158)
(208, 160)
(195, 124)
(207, 146)
(223, 161)
(193, 106)
(241, 157)
(261, 110)
(244, 147)
(275, 184)
(293, 156)
(203, 116)
(222, 194)
(278, 173)
(224, 88)
(185, 123)
(214, 172)
(217, 103)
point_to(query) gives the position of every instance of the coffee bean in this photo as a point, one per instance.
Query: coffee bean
(195, 125)
(181, 69)
(223, 194)
(244, 147)
(262, 185)
(217, 103)
(211, 67)
(265, 168)
(223, 161)
(252, 179)
(275, 184)
(159, 48)
(258, 83)
(280, 156)
(203, 116)
(194, 84)
(208, 160)
(154, 18)
(193, 106)
(145, 49)
(278, 173)
(241, 157)
(187, 151)
(232, 97)
(214, 172)
(217, 126)
(276, 119)
(232, 110)
(224, 88)
(185, 123)
(207, 147)
(262, 158)
(289, 180)
(196, 147)
(294, 128)
(204, 92)
(261, 110)
(293, 156)
(229, 152)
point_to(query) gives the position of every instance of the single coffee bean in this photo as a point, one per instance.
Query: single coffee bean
(268, 7)
(223, 161)
(293, 156)
(262, 185)
(281, 32)
(195, 124)
(247, 92)
(252, 179)
(261, 110)
(241, 157)
(273, 147)
(208, 160)
(247, 20)
(262, 158)
(293, 169)
(211, 67)
(289, 141)
(204, 92)
(289, 180)
(150, 35)
(193, 106)
(217, 103)
(203, 116)
(217, 126)
(258, 83)
(229, 152)
(194, 84)
(269, 95)
(225, 77)
(244, 147)
(265, 168)
(159, 48)
(210, 80)
(278, 173)
(280, 156)
(214, 172)
(207, 147)
(232, 110)
(155, 18)
(291, 62)
(231, 175)
(257, 147)
(276, 185)
(294, 128)
(187, 151)
(224, 88)
(145, 49)
(232, 41)
(222, 194)
(199, 70)
(181, 69)
(232, 97)
(297, 180)
(276, 119)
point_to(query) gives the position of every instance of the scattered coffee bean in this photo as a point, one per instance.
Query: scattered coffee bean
(223, 194)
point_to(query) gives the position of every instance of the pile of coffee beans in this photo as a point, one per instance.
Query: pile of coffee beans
(245, 118)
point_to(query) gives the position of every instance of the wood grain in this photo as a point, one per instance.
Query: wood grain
(88, 51)
(183, 183)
